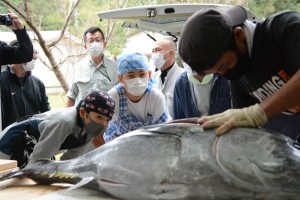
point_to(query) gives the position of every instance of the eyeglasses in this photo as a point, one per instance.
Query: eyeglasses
(97, 39)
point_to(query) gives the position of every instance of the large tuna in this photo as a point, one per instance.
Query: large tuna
(183, 161)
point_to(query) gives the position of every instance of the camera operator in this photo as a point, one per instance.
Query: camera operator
(11, 54)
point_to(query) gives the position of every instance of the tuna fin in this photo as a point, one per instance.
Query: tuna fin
(87, 179)
(14, 173)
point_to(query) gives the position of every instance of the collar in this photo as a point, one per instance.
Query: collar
(249, 28)
(165, 72)
(92, 63)
(11, 71)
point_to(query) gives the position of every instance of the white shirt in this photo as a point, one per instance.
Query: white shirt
(168, 87)
(152, 103)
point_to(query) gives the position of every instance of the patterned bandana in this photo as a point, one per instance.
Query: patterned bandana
(100, 102)
(132, 61)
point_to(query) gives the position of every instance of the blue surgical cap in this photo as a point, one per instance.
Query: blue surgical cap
(132, 61)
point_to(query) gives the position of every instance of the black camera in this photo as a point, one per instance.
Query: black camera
(5, 20)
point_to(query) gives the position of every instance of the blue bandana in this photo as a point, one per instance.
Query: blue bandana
(132, 61)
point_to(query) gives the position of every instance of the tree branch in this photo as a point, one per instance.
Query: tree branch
(65, 25)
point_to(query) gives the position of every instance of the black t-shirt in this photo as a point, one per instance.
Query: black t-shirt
(275, 58)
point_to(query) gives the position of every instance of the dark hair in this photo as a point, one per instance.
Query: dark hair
(207, 34)
(93, 29)
(200, 68)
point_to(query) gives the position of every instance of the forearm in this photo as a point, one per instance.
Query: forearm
(284, 99)
(70, 102)
(72, 94)
(24, 51)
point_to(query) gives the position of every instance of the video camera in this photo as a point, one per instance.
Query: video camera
(5, 20)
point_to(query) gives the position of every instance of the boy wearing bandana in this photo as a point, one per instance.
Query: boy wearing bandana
(41, 136)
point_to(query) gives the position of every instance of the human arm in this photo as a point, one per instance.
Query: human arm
(255, 116)
(44, 105)
(52, 134)
(72, 93)
(21, 54)
(159, 109)
(70, 102)
(287, 98)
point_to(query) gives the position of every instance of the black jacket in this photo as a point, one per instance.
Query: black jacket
(15, 55)
(21, 99)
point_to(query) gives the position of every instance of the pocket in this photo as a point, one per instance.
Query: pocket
(83, 88)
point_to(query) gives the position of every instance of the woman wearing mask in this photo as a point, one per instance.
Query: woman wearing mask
(137, 103)
(22, 94)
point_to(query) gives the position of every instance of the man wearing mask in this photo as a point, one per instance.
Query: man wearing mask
(261, 60)
(43, 135)
(22, 94)
(95, 71)
(196, 95)
(163, 57)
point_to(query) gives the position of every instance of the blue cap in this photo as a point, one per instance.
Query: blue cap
(132, 61)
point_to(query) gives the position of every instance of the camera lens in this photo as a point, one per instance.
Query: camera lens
(5, 20)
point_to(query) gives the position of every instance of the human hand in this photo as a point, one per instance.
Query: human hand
(17, 24)
(252, 116)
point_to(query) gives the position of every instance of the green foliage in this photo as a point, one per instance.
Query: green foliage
(265, 8)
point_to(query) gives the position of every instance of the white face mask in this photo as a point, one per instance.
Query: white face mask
(158, 59)
(29, 66)
(206, 79)
(95, 49)
(137, 86)
(191, 76)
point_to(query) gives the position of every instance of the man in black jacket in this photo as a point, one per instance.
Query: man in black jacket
(20, 54)
(22, 93)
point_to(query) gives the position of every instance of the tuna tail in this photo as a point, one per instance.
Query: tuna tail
(44, 172)
(48, 172)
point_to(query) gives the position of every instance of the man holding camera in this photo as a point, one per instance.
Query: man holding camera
(22, 53)
(12, 54)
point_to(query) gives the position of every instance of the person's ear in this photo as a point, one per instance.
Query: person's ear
(240, 39)
(85, 46)
(82, 113)
(172, 53)
(120, 78)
